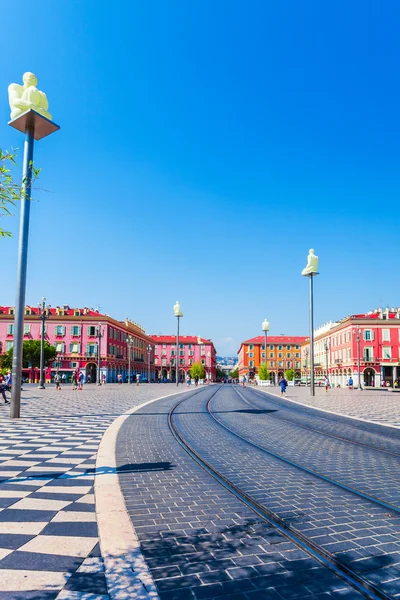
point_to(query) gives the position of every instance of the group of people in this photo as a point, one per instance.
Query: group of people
(189, 380)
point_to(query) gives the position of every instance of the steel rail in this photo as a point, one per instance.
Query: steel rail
(320, 554)
(332, 435)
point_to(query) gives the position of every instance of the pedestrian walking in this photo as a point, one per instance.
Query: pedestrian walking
(81, 379)
(57, 381)
(244, 381)
(189, 381)
(137, 378)
(350, 383)
(283, 385)
(104, 379)
(74, 380)
(63, 378)
(327, 384)
(119, 378)
(3, 391)
(196, 380)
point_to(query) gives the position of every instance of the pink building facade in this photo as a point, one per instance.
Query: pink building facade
(371, 339)
(191, 349)
(74, 333)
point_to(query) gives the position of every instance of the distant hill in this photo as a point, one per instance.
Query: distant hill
(227, 360)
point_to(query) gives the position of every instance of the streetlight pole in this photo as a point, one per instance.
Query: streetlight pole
(149, 349)
(327, 346)
(129, 341)
(311, 271)
(307, 352)
(99, 335)
(359, 358)
(42, 316)
(35, 127)
(265, 328)
(178, 313)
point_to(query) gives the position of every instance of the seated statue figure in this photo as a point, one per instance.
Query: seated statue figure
(312, 264)
(27, 96)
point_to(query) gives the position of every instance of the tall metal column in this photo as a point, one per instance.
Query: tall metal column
(177, 353)
(43, 317)
(21, 274)
(312, 382)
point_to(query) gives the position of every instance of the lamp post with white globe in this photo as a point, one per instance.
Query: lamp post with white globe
(178, 313)
(311, 271)
(265, 328)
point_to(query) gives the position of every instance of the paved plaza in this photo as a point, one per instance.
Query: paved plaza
(48, 532)
(377, 406)
(197, 540)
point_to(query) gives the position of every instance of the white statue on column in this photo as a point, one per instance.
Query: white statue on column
(27, 96)
(312, 264)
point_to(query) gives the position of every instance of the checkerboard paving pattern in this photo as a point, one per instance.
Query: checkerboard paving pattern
(49, 547)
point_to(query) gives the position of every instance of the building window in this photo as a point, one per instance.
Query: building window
(368, 354)
(280, 363)
(288, 347)
(297, 347)
(298, 365)
(385, 335)
(297, 355)
(271, 347)
(251, 354)
(251, 346)
(77, 313)
(190, 346)
(348, 354)
(181, 361)
(27, 329)
(262, 346)
(280, 347)
(262, 354)
(164, 362)
(288, 355)
(181, 353)
(91, 349)
(73, 365)
(172, 352)
(280, 355)
(11, 311)
(76, 330)
(9, 345)
(59, 330)
(91, 330)
(251, 364)
(203, 361)
(60, 347)
(271, 355)
(182, 346)
(164, 345)
(386, 352)
(272, 363)
(75, 348)
(368, 335)
(10, 330)
(289, 364)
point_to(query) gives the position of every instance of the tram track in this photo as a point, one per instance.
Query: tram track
(357, 581)
(313, 429)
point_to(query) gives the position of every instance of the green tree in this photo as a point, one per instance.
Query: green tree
(30, 354)
(220, 373)
(263, 372)
(289, 374)
(10, 192)
(234, 374)
(197, 369)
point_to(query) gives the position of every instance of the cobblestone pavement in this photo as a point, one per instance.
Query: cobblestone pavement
(348, 460)
(373, 405)
(48, 532)
(198, 539)
(361, 534)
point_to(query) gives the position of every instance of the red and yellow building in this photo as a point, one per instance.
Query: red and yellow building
(283, 352)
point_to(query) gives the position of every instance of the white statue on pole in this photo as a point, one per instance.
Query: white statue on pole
(312, 264)
(27, 96)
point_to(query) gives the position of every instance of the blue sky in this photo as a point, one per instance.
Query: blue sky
(204, 148)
